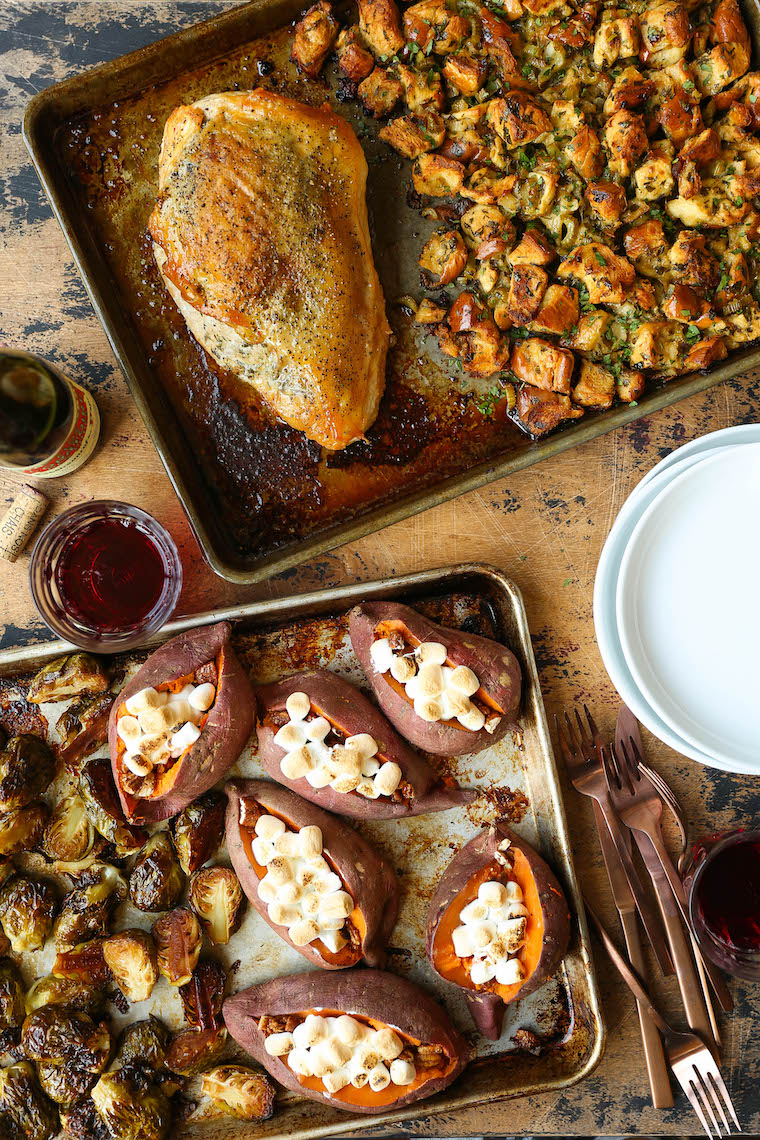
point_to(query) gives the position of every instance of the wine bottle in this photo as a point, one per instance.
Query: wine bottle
(49, 425)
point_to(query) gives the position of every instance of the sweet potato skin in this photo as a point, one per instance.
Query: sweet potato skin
(495, 666)
(344, 705)
(488, 1009)
(224, 734)
(370, 881)
(366, 993)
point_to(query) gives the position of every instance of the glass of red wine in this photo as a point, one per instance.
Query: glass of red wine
(723, 886)
(105, 575)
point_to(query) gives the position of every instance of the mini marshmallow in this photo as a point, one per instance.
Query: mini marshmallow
(345, 784)
(431, 653)
(128, 728)
(481, 971)
(279, 871)
(262, 851)
(461, 941)
(310, 904)
(403, 669)
(513, 910)
(360, 1078)
(333, 940)
(295, 765)
(290, 892)
(370, 766)
(388, 1044)
(136, 765)
(475, 911)
(514, 890)
(336, 1080)
(152, 747)
(318, 778)
(464, 680)
(402, 1072)
(266, 891)
(290, 736)
(388, 778)
(473, 720)
(202, 697)
(379, 1078)
(278, 1044)
(306, 877)
(322, 870)
(381, 655)
(315, 1028)
(184, 738)
(366, 1054)
(298, 706)
(310, 842)
(269, 826)
(303, 932)
(482, 935)
(493, 894)
(282, 915)
(513, 933)
(508, 972)
(428, 683)
(337, 905)
(185, 712)
(348, 1029)
(288, 844)
(318, 728)
(299, 1062)
(335, 1051)
(346, 761)
(457, 704)
(362, 743)
(428, 710)
(145, 699)
(367, 788)
(159, 720)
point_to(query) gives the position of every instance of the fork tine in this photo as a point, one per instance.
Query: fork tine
(591, 722)
(624, 767)
(581, 731)
(708, 1080)
(688, 1088)
(696, 1083)
(719, 1083)
(636, 751)
(608, 763)
(575, 747)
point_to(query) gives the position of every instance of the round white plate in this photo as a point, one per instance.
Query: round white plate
(687, 609)
(742, 433)
(605, 617)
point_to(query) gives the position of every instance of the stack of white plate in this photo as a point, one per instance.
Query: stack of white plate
(677, 600)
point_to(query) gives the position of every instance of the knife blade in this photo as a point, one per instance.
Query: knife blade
(693, 984)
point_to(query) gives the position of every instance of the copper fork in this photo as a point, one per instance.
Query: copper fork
(638, 803)
(693, 1065)
(584, 765)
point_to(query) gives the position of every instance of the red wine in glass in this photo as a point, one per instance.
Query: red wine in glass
(723, 885)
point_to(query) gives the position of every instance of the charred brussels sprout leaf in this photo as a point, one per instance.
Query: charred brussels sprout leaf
(22, 830)
(130, 1111)
(86, 911)
(178, 939)
(27, 769)
(63, 1083)
(192, 1050)
(84, 727)
(12, 1010)
(23, 1102)
(63, 991)
(144, 1043)
(27, 909)
(75, 675)
(101, 802)
(59, 1035)
(83, 963)
(131, 957)
(216, 897)
(197, 831)
(240, 1092)
(203, 995)
(69, 835)
(156, 881)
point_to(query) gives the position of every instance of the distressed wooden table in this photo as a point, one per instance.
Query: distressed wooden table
(545, 526)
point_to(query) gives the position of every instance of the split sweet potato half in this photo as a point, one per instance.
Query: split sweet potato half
(498, 925)
(180, 724)
(310, 876)
(363, 1040)
(445, 690)
(321, 737)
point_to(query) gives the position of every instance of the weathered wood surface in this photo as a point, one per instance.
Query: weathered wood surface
(545, 526)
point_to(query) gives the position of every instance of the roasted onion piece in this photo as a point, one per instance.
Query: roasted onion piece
(198, 830)
(22, 830)
(192, 1050)
(131, 957)
(69, 836)
(178, 939)
(83, 728)
(83, 963)
(216, 897)
(101, 802)
(130, 1110)
(203, 995)
(27, 910)
(87, 910)
(27, 769)
(75, 675)
(144, 1043)
(240, 1092)
(23, 1103)
(156, 881)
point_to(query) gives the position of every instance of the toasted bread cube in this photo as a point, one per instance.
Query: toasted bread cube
(558, 312)
(540, 411)
(465, 73)
(595, 387)
(380, 25)
(630, 386)
(429, 313)
(354, 60)
(607, 201)
(379, 93)
(437, 176)
(315, 35)
(414, 135)
(542, 364)
(526, 290)
(443, 256)
(534, 248)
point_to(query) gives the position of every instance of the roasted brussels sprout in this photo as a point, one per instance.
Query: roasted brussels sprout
(12, 1011)
(240, 1092)
(130, 1111)
(178, 939)
(193, 1050)
(3, 737)
(22, 830)
(24, 1104)
(75, 675)
(156, 881)
(64, 1083)
(203, 995)
(131, 957)
(87, 910)
(27, 768)
(69, 836)
(216, 897)
(198, 830)
(83, 963)
(84, 727)
(55, 1033)
(101, 802)
(81, 1121)
(63, 991)
(27, 910)
(144, 1043)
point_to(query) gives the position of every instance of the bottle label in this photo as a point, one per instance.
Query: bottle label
(80, 441)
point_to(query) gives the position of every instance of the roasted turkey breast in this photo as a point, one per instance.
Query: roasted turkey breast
(260, 231)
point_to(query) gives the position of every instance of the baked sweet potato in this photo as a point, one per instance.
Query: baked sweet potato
(320, 736)
(314, 879)
(446, 691)
(166, 748)
(525, 930)
(383, 1042)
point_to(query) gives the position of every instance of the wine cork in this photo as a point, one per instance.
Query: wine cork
(20, 522)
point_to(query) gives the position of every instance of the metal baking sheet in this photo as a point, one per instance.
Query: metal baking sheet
(262, 498)
(518, 779)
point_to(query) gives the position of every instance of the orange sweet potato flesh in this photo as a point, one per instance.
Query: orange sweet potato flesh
(548, 927)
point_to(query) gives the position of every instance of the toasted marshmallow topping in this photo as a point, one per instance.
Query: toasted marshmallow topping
(342, 1051)
(158, 726)
(492, 930)
(299, 888)
(437, 691)
(349, 767)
